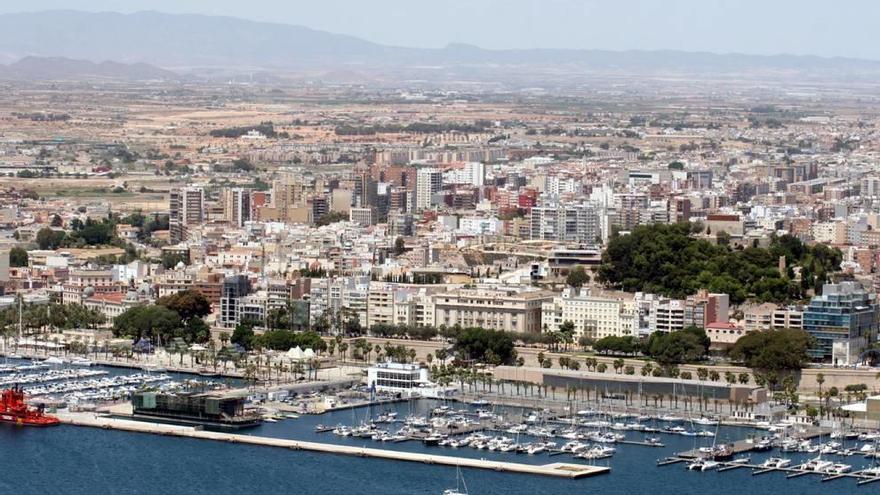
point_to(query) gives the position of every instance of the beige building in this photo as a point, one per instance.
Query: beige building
(509, 310)
(593, 315)
(84, 283)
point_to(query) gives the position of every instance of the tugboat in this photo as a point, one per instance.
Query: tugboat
(13, 409)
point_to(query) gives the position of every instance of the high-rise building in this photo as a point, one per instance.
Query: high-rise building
(234, 288)
(236, 205)
(428, 182)
(843, 320)
(187, 209)
(566, 222)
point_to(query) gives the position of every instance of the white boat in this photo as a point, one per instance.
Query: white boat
(775, 462)
(705, 421)
(696, 465)
(838, 468)
(669, 418)
(460, 486)
(709, 465)
(817, 464)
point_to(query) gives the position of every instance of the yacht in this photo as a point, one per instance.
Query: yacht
(816, 464)
(838, 468)
(696, 465)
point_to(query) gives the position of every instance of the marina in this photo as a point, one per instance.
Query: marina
(484, 437)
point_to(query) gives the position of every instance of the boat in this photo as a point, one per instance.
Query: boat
(432, 439)
(14, 409)
(838, 468)
(696, 465)
(709, 465)
(816, 464)
(460, 486)
(669, 418)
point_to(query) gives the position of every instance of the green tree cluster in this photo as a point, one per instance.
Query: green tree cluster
(684, 346)
(479, 343)
(665, 259)
(282, 340)
(773, 351)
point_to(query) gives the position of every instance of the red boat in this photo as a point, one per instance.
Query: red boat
(13, 409)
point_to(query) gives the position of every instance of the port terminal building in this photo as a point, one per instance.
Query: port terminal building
(620, 385)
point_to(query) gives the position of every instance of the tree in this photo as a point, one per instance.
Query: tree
(18, 257)
(773, 350)
(56, 221)
(702, 374)
(714, 375)
(243, 335)
(601, 367)
(577, 277)
(48, 238)
(399, 246)
(148, 322)
(189, 304)
(473, 343)
(353, 326)
(820, 380)
(684, 346)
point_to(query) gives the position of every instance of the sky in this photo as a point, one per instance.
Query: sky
(829, 28)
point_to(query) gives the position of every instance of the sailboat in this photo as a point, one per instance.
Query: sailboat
(459, 484)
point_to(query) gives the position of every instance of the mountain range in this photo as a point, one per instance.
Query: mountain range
(188, 43)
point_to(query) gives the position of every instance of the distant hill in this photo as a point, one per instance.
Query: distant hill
(56, 68)
(185, 42)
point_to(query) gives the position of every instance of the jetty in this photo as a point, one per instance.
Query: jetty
(562, 470)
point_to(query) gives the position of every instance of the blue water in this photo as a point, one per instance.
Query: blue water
(72, 460)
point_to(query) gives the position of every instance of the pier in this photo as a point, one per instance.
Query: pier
(562, 470)
(863, 476)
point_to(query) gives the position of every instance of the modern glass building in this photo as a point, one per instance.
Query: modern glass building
(844, 322)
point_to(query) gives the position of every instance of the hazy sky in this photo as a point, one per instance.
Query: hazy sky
(818, 27)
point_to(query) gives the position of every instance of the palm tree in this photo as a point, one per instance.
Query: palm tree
(618, 365)
(820, 379)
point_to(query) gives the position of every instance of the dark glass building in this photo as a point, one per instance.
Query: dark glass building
(844, 322)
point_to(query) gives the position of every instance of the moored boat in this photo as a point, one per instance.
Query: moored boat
(14, 409)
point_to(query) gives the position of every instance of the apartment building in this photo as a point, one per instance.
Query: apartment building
(187, 209)
(593, 315)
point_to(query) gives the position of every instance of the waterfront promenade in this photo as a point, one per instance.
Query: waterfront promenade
(563, 470)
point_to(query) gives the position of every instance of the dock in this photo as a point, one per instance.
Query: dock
(863, 477)
(561, 470)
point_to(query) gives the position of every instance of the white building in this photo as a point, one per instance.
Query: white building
(428, 182)
(408, 380)
(594, 316)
